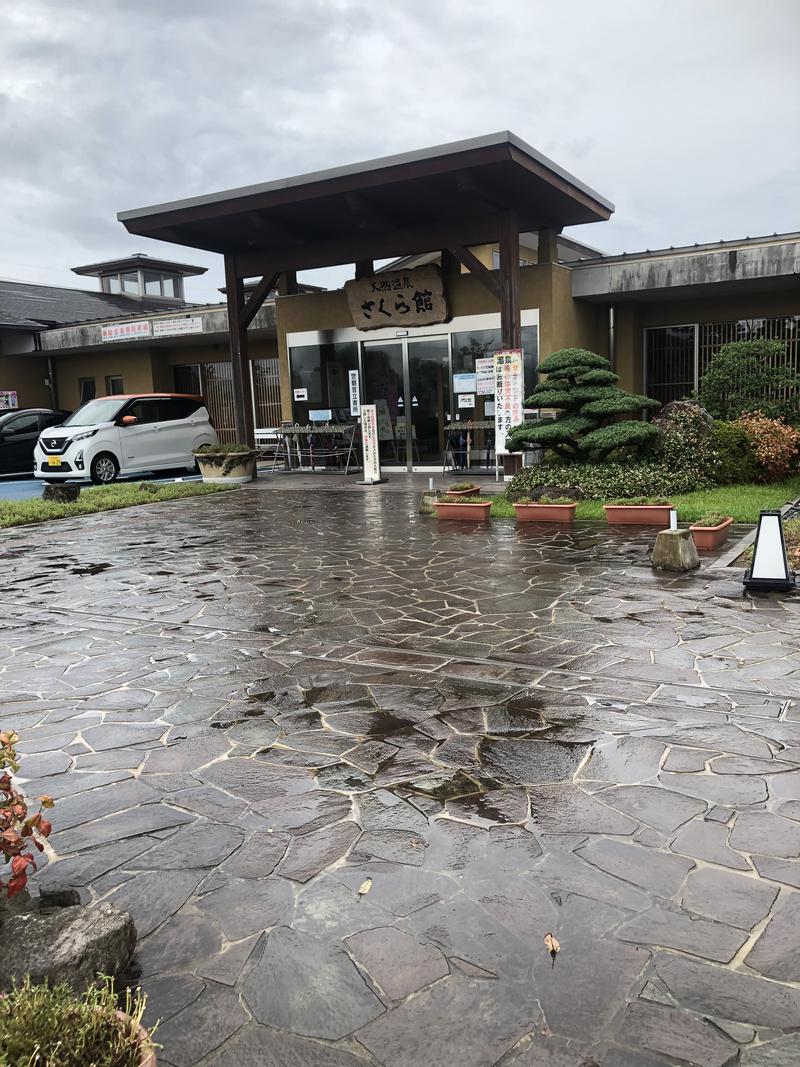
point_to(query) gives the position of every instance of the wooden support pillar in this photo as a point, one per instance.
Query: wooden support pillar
(365, 268)
(240, 363)
(510, 321)
(450, 263)
(287, 283)
(548, 246)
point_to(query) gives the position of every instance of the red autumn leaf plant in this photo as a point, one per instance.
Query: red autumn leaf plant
(19, 831)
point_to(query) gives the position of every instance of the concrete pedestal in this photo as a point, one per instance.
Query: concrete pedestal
(675, 551)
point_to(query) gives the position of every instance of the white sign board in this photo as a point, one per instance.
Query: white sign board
(466, 400)
(300, 394)
(320, 415)
(355, 393)
(509, 388)
(484, 376)
(385, 430)
(463, 383)
(175, 327)
(369, 442)
(125, 331)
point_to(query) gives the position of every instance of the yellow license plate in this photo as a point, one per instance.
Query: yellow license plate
(54, 461)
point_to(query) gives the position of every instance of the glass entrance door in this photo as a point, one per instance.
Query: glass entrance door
(408, 380)
(428, 361)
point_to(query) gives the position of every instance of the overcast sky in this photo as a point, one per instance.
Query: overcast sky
(684, 113)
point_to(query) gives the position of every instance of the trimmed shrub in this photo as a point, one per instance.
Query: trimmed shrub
(747, 376)
(734, 459)
(581, 386)
(606, 481)
(774, 443)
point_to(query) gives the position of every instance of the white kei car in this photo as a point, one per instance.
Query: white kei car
(129, 434)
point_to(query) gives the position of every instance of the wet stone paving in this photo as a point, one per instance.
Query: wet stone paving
(347, 766)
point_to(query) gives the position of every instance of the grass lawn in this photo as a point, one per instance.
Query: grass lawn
(101, 498)
(742, 502)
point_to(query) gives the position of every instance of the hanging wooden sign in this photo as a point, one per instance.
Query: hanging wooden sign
(398, 298)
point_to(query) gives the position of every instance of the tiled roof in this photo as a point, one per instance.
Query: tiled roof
(25, 304)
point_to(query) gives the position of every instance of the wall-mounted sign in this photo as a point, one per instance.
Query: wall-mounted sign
(175, 327)
(466, 400)
(369, 442)
(508, 395)
(463, 383)
(488, 409)
(320, 414)
(399, 298)
(125, 331)
(484, 376)
(300, 394)
(8, 399)
(355, 393)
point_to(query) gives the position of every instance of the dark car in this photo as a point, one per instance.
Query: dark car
(19, 431)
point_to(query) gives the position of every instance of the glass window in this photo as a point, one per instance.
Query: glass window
(111, 284)
(171, 285)
(86, 390)
(114, 384)
(145, 410)
(22, 424)
(130, 282)
(152, 283)
(321, 371)
(178, 407)
(95, 412)
(669, 362)
(186, 379)
(476, 344)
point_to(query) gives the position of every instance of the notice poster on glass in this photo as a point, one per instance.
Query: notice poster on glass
(509, 388)
(8, 399)
(385, 431)
(463, 383)
(355, 394)
(369, 443)
(484, 376)
(466, 400)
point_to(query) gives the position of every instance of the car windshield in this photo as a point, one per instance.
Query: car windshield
(103, 410)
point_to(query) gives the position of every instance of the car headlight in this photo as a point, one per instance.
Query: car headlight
(82, 436)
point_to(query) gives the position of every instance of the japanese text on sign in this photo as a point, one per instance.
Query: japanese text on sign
(509, 387)
(355, 393)
(400, 298)
(369, 441)
(125, 331)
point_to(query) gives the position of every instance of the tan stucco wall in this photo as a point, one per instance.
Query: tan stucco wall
(132, 363)
(26, 374)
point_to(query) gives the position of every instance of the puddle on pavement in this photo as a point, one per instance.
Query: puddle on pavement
(92, 568)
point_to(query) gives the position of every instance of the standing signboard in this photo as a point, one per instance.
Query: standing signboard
(369, 443)
(509, 388)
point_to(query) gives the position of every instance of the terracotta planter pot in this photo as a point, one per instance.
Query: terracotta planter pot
(710, 537)
(236, 467)
(545, 512)
(473, 512)
(638, 514)
(457, 493)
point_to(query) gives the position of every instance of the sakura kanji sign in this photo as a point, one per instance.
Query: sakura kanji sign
(399, 298)
(509, 387)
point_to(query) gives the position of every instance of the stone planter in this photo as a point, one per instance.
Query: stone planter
(475, 511)
(711, 537)
(236, 467)
(638, 514)
(545, 512)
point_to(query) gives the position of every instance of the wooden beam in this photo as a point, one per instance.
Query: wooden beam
(240, 363)
(287, 283)
(386, 245)
(480, 270)
(365, 268)
(256, 299)
(510, 320)
(366, 215)
(451, 265)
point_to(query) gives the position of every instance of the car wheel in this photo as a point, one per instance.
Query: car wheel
(104, 469)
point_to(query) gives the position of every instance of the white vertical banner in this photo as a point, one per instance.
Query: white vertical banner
(370, 444)
(355, 394)
(509, 387)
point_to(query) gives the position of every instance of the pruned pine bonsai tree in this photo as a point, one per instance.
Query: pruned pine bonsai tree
(595, 417)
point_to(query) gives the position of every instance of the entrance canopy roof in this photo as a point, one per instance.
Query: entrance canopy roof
(393, 206)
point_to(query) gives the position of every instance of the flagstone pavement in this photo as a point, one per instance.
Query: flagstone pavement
(347, 766)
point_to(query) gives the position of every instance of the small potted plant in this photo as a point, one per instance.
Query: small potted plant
(711, 530)
(638, 511)
(41, 1024)
(462, 489)
(545, 509)
(226, 462)
(464, 509)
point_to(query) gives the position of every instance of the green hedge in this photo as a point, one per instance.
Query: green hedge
(604, 481)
